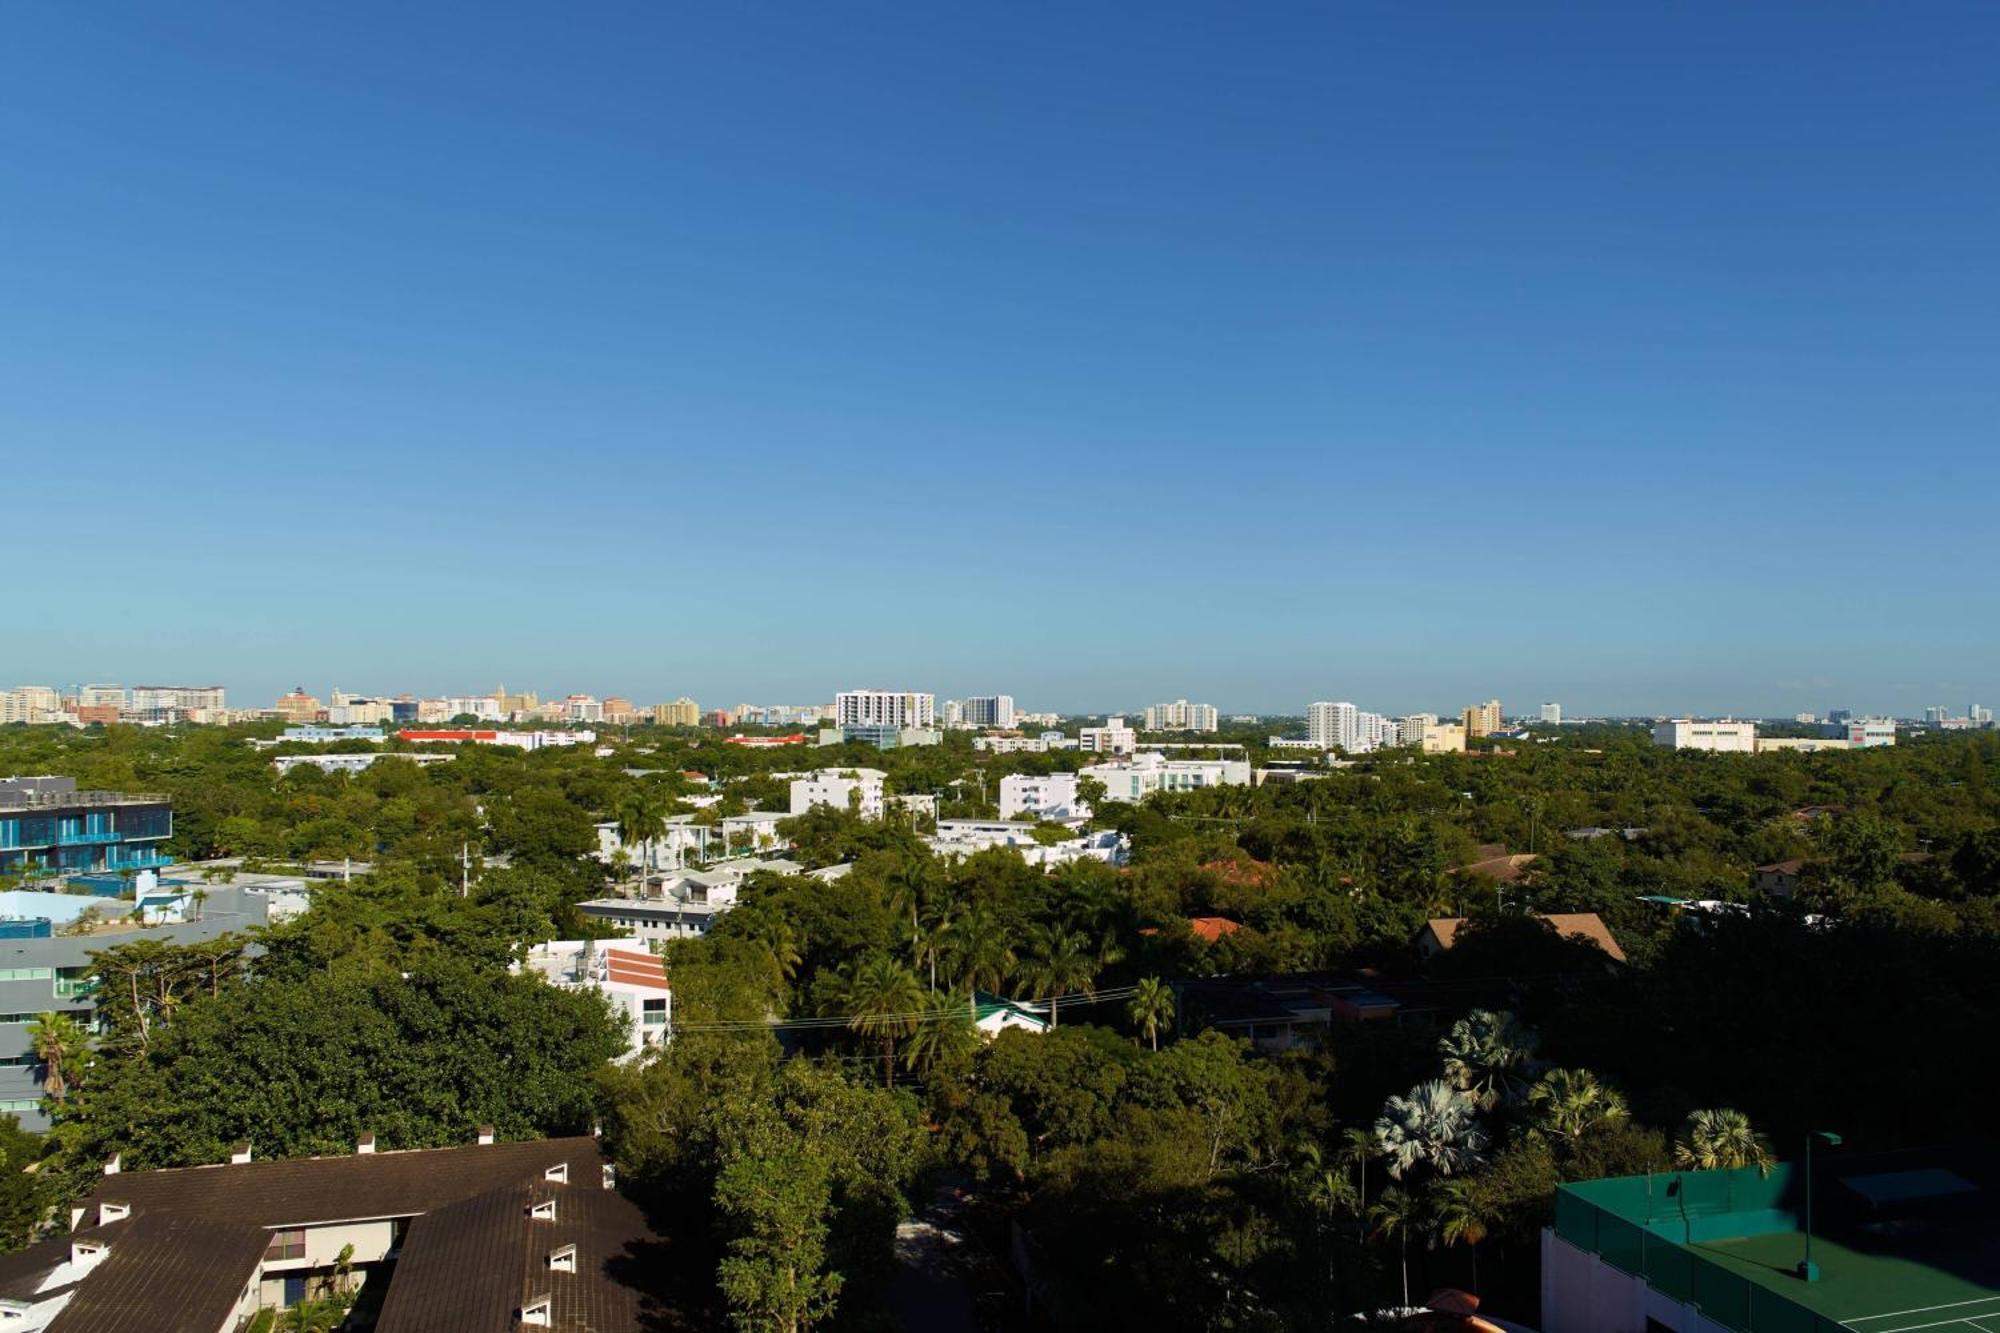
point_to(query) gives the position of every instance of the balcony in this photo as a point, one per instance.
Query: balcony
(85, 839)
(146, 859)
(75, 988)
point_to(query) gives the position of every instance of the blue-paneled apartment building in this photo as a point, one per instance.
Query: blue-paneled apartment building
(48, 827)
(96, 840)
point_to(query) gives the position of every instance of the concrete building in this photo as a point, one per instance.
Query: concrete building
(1720, 735)
(178, 699)
(317, 735)
(1114, 737)
(1980, 715)
(969, 837)
(352, 763)
(48, 827)
(1044, 796)
(1867, 732)
(682, 712)
(1343, 726)
(43, 965)
(633, 980)
(685, 904)
(857, 789)
(1144, 774)
(994, 710)
(1180, 715)
(896, 709)
(1482, 719)
(522, 740)
(30, 703)
(1552, 714)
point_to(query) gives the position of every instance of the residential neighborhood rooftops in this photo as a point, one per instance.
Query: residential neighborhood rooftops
(1441, 933)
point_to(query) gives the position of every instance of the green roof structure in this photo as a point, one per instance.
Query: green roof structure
(1897, 1247)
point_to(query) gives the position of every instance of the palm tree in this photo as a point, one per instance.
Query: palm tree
(1569, 1103)
(1460, 1214)
(1396, 1214)
(640, 817)
(943, 1030)
(1152, 1008)
(1358, 1144)
(62, 1046)
(882, 999)
(933, 937)
(980, 954)
(1434, 1126)
(1487, 1053)
(1721, 1139)
(1058, 962)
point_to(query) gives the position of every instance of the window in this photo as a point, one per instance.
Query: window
(286, 1245)
(654, 1011)
(545, 1211)
(112, 1212)
(537, 1311)
(560, 1171)
(564, 1259)
(27, 973)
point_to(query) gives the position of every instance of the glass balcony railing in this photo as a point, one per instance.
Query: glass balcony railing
(75, 987)
(81, 839)
(136, 860)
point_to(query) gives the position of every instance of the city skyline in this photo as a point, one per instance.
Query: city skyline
(1388, 701)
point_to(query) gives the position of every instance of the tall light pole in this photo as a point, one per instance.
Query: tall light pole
(1807, 1269)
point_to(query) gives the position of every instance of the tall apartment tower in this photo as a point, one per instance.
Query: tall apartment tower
(1482, 718)
(992, 710)
(1552, 713)
(1180, 715)
(884, 708)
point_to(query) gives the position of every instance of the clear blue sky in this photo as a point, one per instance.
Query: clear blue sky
(1640, 356)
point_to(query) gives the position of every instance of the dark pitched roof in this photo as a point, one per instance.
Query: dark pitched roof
(165, 1272)
(22, 1272)
(470, 1267)
(312, 1190)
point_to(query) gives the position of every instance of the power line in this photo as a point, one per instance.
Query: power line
(830, 1021)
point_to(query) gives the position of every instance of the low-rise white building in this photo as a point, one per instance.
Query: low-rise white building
(682, 904)
(1720, 735)
(969, 837)
(634, 980)
(1046, 796)
(351, 763)
(1114, 737)
(856, 789)
(1144, 774)
(1866, 732)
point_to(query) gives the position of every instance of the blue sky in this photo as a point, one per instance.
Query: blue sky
(1636, 356)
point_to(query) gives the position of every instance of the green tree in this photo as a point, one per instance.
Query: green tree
(1056, 963)
(1569, 1104)
(1486, 1053)
(979, 954)
(882, 1000)
(63, 1047)
(1396, 1214)
(1151, 1009)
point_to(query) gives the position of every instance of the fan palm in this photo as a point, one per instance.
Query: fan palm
(1152, 1008)
(1433, 1127)
(882, 999)
(1567, 1104)
(1721, 1139)
(1487, 1053)
(943, 1030)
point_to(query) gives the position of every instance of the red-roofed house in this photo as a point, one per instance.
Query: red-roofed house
(631, 977)
(1209, 929)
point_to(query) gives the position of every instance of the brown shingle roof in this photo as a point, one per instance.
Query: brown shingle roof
(165, 1272)
(313, 1190)
(472, 1266)
(1570, 925)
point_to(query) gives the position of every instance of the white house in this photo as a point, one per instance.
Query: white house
(1046, 796)
(1142, 775)
(968, 837)
(858, 789)
(1723, 736)
(993, 1015)
(634, 980)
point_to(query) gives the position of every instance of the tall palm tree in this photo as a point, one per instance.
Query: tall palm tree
(1460, 1213)
(1487, 1053)
(980, 954)
(933, 938)
(1567, 1104)
(1357, 1145)
(1058, 961)
(640, 817)
(1152, 1008)
(1721, 1139)
(943, 1030)
(1433, 1127)
(884, 1000)
(1396, 1214)
(62, 1046)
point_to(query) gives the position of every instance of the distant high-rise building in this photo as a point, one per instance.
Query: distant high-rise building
(298, 706)
(179, 698)
(1352, 729)
(99, 696)
(1552, 714)
(1936, 714)
(884, 708)
(992, 710)
(1980, 716)
(682, 712)
(1481, 719)
(1114, 737)
(1805, 719)
(1180, 715)
(1839, 717)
